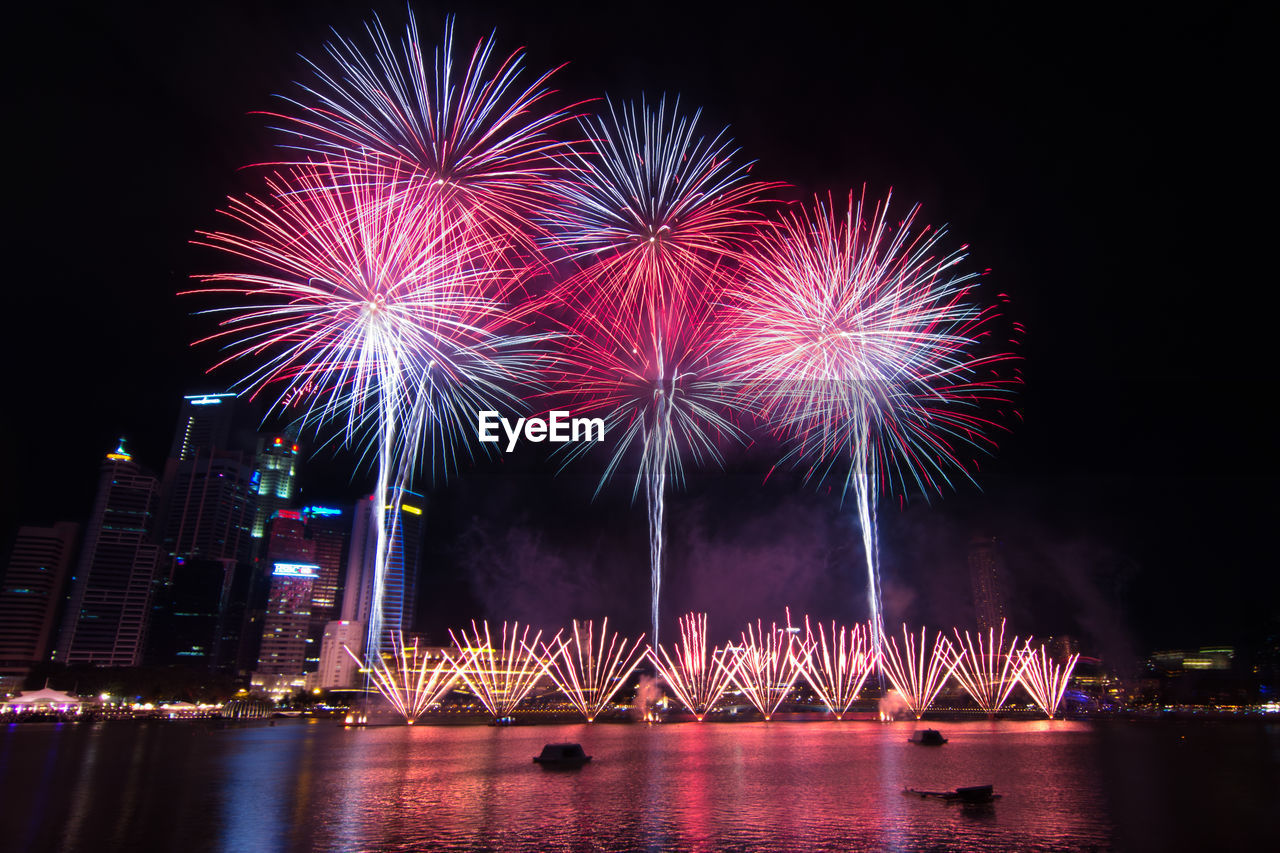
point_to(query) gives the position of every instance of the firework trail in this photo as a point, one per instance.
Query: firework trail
(917, 678)
(857, 344)
(988, 671)
(653, 217)
(767, 665)
(363, 305)
(500, 676)
(590, 673)
(697, 678)
(836, 667)
(1044, 679)
(413, 682)
(475, 132)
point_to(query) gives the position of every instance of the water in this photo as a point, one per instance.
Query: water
(832, 786)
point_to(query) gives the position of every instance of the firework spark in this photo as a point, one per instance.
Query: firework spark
(1045, 680)
(479, 136)
(590, 673)
(988, 670)
(697, 678)
(368, 307)
(652, 215)
(413, 681)
(838, 666)
(502, 675)
(653, 207)
(857, 343)
(917, 678)
(767, 665)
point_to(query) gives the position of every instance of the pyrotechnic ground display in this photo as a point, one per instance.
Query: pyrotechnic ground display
(760, 672)
(439, 242)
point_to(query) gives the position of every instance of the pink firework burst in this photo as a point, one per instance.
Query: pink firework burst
(476, 131)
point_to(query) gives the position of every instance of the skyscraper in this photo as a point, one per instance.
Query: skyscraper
(206, 543)
(276, 462)
(31, 597)
(205, 421)
(328, 529)
(206, 511)
(404, 519)
(984, 576)
(107, 616)
(282, 655)
(210, 508)
(285, 542)
(337, 668)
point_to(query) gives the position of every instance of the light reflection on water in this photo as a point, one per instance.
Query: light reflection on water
(739, 786)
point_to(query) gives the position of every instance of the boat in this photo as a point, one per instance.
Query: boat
(966, 796)
(562, 755)
(503, 721)
(927, 737)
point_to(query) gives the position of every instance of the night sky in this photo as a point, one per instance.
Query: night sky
(1107, 169)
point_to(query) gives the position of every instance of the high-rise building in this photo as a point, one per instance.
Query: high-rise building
(282, 655)
(111, 590)
(189, 619)
(206, 512)
(337, 667)
(285, 542)
(276, 462)
(404, 522)
(205, 422)
(328, 529)
(984, 576)
(206, 542)
(31, 598)
(210, 508)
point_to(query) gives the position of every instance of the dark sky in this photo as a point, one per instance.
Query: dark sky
(1108, 168)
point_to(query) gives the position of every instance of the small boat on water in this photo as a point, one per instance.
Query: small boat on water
(967, 796)
(562, 755)
(927, 737)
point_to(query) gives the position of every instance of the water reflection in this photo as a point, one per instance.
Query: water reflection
(743, 786)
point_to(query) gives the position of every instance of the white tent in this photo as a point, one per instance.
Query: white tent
(44, 699)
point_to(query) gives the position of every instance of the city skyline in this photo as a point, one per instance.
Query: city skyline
(1114, 462)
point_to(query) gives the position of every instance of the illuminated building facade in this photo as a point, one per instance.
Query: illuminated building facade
(276, 463)
(282, 655)
(205, 421)
(404, 519)
(107, 617)
(328, 529)
(31, 597)
(285, 542)
(337, 669)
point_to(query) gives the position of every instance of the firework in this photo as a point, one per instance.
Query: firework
(697, 678)
(917, 678)
(857, 344)
(589, 674)
(652, 208)
(651, 216)
(412, 682)
(836, 667)
(1044, 679)
(477, 134)
(766, 666)
(988, 671)
(502, 675)
(368, 307)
